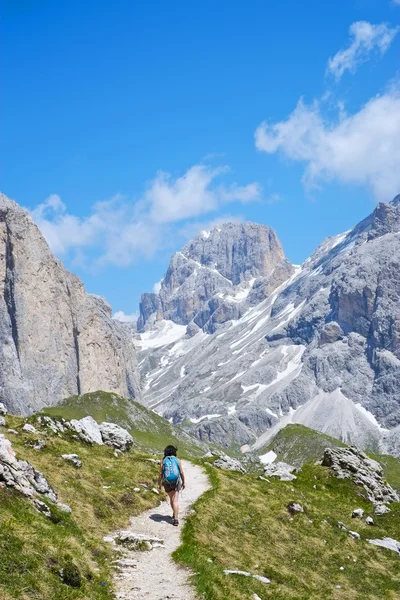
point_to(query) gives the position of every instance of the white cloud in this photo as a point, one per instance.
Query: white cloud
(362, 148)
(119, 232)
(123, 318)
(157, 287)
(365, 39)
(193, 194)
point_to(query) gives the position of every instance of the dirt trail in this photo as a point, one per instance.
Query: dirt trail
(154, 575)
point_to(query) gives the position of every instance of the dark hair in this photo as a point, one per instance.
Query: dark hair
(170, 451)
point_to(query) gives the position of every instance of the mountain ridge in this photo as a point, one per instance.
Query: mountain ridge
(327, 337)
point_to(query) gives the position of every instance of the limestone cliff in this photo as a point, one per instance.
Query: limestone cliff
(55, 339)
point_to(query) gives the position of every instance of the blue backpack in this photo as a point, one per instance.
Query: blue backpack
(171, 472)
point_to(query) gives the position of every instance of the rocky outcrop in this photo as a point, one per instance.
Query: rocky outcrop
(55, 339)
(208, 282)
(226, 463)
(351, 463)
(21, 476)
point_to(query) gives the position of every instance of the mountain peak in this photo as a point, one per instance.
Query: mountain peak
(208, 281)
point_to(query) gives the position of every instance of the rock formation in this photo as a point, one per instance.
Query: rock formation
(55, 339)
(217, 276)
(320, 346)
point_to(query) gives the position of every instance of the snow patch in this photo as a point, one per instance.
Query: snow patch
(268, 458)
(209, 417)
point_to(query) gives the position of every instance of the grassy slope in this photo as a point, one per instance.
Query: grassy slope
(33, 548)
(150, 431)
(243, 523)
(297, 444)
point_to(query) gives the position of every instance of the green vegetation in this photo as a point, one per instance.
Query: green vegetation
(65, 556)
(243, 523)
(150, 431)
(297, 444)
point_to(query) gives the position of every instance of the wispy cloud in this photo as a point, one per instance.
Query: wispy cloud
(119, 231)
(123, 318)
(365, 40)
(362, 148)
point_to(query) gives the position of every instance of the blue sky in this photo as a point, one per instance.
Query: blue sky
(129, 126)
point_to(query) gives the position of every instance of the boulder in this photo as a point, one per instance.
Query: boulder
(3, 410)
(116, 436)
(294, 508)
(72, 458)
(351, 463)
(381, 509)
(28, 428)
(369, 521)
(281, 470)
(88, 430)
(229, 464)
(135, 541)
(357, 513)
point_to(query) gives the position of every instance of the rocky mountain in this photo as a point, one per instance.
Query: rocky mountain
(216, 277)
(317, 344)
(55, 339)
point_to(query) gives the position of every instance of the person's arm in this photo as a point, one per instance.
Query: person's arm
(182, 475)
(160, 474)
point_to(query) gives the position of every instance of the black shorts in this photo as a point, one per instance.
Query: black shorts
(172, 487)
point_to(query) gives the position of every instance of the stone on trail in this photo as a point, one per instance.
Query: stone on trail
(137, 541)
(116, 436)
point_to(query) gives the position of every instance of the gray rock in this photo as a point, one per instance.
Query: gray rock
(381, 509)
(115, 436)
(281, 470)
(358, 513)
(87, 429)
(388, 543)
(369, 521)
(13, 431)
(72, 458)
(229, 464)
(55, 339)
(351, 463)
(28, 428)
(294, 508)
(135, 541)
(21, 475)
(2, 421)
(3, 410)
(247, 574)
(354, 535)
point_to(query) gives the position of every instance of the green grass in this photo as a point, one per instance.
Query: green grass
(101, 494)
(150, 431)
(243, 523)
(297, 444)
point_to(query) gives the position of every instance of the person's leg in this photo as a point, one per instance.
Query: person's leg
(175, 504)
(171, 500)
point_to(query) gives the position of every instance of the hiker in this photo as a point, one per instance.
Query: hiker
(172, 478)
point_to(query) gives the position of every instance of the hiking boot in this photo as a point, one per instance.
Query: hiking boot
(175, 522)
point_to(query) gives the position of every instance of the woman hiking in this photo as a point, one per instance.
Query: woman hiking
(172, 478)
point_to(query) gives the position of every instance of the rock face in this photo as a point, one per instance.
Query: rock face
(321, 349)
(55, 339)
(216, 276)
(351, 463)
